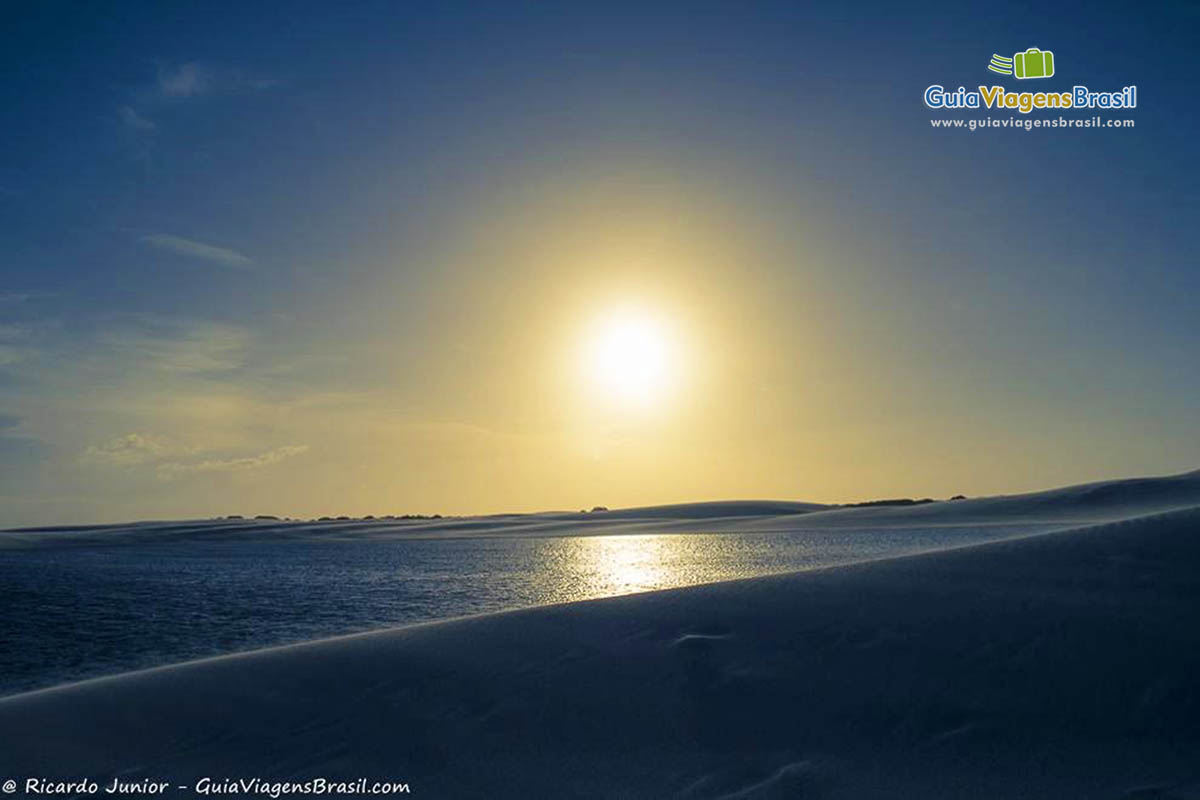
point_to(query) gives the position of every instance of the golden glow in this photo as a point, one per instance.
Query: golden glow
(630, 357)
(622, 564)
(604, 341)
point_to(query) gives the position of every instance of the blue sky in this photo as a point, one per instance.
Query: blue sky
(329, 258)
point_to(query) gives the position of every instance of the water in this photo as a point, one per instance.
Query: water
(74, 613)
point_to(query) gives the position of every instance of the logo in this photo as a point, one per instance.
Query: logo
(1033, 63)
(1001, 64)
(1026, 65)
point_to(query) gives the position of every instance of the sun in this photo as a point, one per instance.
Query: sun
(630, 357)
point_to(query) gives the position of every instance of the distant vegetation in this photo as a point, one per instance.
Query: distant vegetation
(898, 501)
(340, 518)
(372, 517)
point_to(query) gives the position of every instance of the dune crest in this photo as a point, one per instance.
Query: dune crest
(1070, 505)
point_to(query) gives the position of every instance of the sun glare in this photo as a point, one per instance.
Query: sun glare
(630, 358)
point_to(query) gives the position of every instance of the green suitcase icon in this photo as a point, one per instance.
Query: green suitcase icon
(1033, 63)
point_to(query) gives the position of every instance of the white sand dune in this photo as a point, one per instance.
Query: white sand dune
(1072, 505)
(1060, 665)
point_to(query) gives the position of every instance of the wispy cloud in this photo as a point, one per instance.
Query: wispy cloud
(13, 298)
(130, 450)
(170, 469)
(199, 250)
(15, 343)
(184, 80)
(170, 459)
(194, 79)
(176, 345)
(15, 330)
(133, 120)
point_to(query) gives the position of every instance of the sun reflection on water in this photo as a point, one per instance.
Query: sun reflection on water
(601, 566)
(622, 564)
(570, 568)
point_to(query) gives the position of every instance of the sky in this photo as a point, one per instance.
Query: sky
(359, 258)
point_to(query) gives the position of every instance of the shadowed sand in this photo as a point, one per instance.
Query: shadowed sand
(1062, 665)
